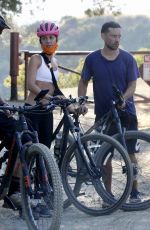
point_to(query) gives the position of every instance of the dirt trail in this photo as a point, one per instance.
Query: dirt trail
(73, 219)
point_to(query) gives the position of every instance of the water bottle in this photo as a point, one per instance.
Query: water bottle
(57, 146)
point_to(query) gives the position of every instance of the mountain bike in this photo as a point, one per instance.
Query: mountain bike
(40, 178)
(139, 140)
(82, 176)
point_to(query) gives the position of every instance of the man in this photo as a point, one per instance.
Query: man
(7, 123)
(111, 66)
(7, 129)
(3, 25)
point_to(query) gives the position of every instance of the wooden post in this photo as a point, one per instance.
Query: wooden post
(14, 64)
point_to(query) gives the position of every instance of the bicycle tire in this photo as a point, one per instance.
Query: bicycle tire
(54, 198)
(70, 141)
(143, 160)
(74, 189)
(67, 202)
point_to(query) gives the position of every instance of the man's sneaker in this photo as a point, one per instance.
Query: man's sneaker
(35, 215)
(38, 211)
(135, 197)
(105, 204)
(42, 210)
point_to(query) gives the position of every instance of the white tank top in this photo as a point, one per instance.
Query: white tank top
(44, 74)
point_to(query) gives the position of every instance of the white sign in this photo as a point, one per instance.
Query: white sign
(147, 58)
(146, 68)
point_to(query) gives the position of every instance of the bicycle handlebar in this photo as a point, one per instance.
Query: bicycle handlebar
(56, 101)
(20, 109)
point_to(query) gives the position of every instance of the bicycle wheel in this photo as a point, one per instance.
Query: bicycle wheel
(44, 196)
(87, 191)
(70, 141)
(142, 154)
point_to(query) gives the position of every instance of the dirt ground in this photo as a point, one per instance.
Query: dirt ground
(73, 219)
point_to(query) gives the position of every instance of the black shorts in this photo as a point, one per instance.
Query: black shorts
(43, 124)
(129, 122)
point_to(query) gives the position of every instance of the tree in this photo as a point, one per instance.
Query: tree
(15, 6)
(103, 7)
(20, 81)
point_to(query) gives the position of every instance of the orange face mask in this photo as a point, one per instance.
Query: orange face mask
(49, 49)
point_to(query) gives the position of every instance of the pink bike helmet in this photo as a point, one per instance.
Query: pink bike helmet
(47, 28)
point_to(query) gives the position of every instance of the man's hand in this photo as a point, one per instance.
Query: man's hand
(122, 106)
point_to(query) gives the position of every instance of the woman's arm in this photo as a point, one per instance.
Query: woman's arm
(82, 87)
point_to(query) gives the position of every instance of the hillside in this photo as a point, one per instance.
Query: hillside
(78, 35)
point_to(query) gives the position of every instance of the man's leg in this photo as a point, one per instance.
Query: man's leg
(131, 146)
(135, 166)
(107, 179)
(108, 175)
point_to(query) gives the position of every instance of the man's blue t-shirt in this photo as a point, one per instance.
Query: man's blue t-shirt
(106, 73)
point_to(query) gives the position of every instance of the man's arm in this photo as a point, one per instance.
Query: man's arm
(130, 90)
(7, 112)
(82, 90)
(2, 101)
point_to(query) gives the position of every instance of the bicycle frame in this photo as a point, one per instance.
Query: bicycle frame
(103, 125)
(21, 149)
(73, 126)
(13, 155)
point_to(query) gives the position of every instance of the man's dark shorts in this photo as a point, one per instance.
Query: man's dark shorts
(129, 122)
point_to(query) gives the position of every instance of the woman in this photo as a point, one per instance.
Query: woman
(39, 77)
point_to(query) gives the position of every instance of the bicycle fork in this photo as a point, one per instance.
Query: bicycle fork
(91, 167)
(25, 169)
(45, 179)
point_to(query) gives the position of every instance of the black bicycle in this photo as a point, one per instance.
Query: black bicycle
(40, 178)
(82, 176)
(140, 141)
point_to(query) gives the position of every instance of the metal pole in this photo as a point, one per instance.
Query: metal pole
(26, 55)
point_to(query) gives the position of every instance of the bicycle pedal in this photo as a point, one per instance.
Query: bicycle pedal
(88, 182)
(81, 194)
(9, 204)
(124, 169)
